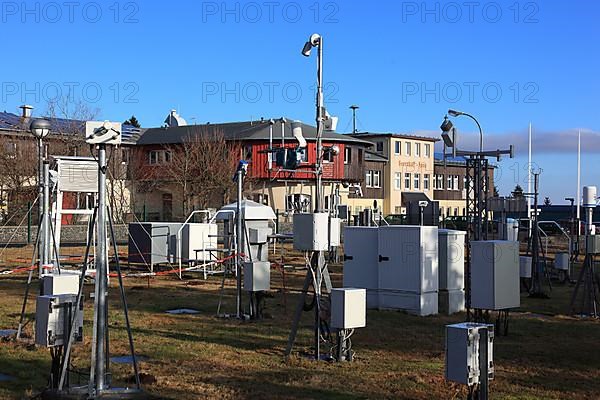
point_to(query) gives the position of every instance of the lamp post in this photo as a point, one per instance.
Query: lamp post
(40, 128)
(316, 40)
(317, 261)
(454, 113)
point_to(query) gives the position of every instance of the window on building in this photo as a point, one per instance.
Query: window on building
(407, 181)
(417, 149)
(328, 156)
(167, 157)
(125, 156)
(426, 182)
(380, 147)
(417, 182)
(153, 157)
(438, 183)
(369, 179)
(455, 179)
(397, 146)
(376, 179)
(398, 181)
(407, 148)
(427, 150)
(456, 211)
(450, 185)
(347, 155)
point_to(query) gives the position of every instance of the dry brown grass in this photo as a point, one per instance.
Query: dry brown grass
(399, 356)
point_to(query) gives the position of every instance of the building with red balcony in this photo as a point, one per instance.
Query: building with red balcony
(160, 192)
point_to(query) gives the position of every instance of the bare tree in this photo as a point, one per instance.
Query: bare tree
(202, 168)
(18, 172)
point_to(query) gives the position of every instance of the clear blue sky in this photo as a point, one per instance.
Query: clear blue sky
(403, 62)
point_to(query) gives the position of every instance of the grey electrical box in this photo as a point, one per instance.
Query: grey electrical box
(335, 234)
(311, 232)
(451, 248)
(592, 244)
(463, 350)
(64, 283)
(153, 243)
(259, 235)
(361, 268)
(348, 308)
(53, 316)
(257, 276)
(408, 268)
(495, 275)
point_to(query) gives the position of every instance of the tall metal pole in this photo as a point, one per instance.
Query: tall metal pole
(317, 259)
(40, 182)
(46, 214)
(238, 238)
(101, 276)
(320, 113)
(529, 199)
(578, 181)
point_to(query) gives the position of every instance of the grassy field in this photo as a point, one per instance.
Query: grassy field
(547, 355)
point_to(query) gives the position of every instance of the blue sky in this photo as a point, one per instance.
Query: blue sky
(403, 62)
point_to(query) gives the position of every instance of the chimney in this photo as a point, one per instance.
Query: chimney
(26, 113)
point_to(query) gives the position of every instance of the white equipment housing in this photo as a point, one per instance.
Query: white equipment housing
(335, 232)
(451, 250)
(311, 232)
(348, 308)
(361, 268)
(408, 268)
(495, 275)
(257, 276)
(77, 175)
(57, 284)
(590, 196)
(53, 316)
(525, 266)
(462, 352)
(398, 265)
(196, 240)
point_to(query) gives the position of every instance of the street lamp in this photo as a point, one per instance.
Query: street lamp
(455, 113)
(316, 40)
(40, 128)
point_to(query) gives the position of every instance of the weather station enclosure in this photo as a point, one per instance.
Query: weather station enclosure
(451, 246)
(495, 275)
(153, 243)
(408, 268)
(361, 266)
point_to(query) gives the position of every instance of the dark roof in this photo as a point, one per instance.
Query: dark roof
(371, 156)
(16, 124)
(371, 135)
(240, 131)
